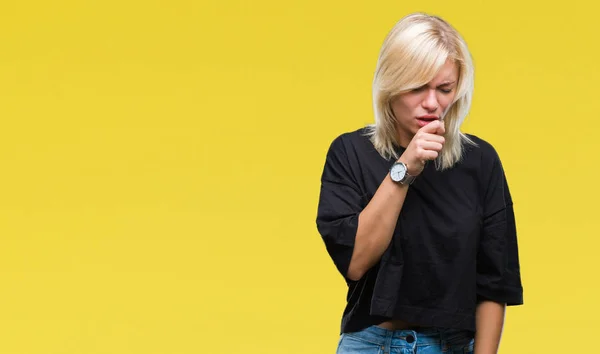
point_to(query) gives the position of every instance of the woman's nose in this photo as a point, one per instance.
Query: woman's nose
(430, 101)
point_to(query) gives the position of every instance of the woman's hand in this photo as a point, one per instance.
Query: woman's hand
(425, 145)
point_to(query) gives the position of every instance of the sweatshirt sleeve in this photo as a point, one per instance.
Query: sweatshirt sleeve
(340, 202)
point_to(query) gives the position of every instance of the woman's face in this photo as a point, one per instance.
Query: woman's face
(417, 108)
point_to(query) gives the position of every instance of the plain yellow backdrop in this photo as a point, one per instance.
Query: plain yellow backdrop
(160, 165)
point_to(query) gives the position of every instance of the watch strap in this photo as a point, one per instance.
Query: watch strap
(408, 179)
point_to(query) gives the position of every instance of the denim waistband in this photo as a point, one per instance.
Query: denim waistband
(418, 336)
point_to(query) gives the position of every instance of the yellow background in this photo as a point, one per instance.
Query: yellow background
(160, 165)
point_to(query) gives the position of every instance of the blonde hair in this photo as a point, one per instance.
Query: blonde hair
(412, 54)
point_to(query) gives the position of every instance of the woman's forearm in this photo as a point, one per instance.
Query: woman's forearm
(376, 225)
(489, 319)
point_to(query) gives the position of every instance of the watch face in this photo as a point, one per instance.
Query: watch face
(398, 172)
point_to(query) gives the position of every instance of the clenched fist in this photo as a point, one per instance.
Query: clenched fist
(424, 146)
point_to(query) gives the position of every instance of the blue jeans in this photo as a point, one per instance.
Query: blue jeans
(377, 340)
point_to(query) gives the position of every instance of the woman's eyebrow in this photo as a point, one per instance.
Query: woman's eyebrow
(447, 83)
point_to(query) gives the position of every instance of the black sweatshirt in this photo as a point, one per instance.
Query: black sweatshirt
(454, 244)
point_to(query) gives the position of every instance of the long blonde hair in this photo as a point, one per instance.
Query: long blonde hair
(411, 55)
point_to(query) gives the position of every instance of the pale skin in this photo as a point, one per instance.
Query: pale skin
(420, 130)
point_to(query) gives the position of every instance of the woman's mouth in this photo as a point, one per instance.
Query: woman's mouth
(424, 120)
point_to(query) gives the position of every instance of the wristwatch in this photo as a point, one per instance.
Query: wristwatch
(399, 173)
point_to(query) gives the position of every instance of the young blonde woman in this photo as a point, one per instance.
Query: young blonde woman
(416, 215)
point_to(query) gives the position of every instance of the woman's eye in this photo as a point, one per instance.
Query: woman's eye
(446, 90)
